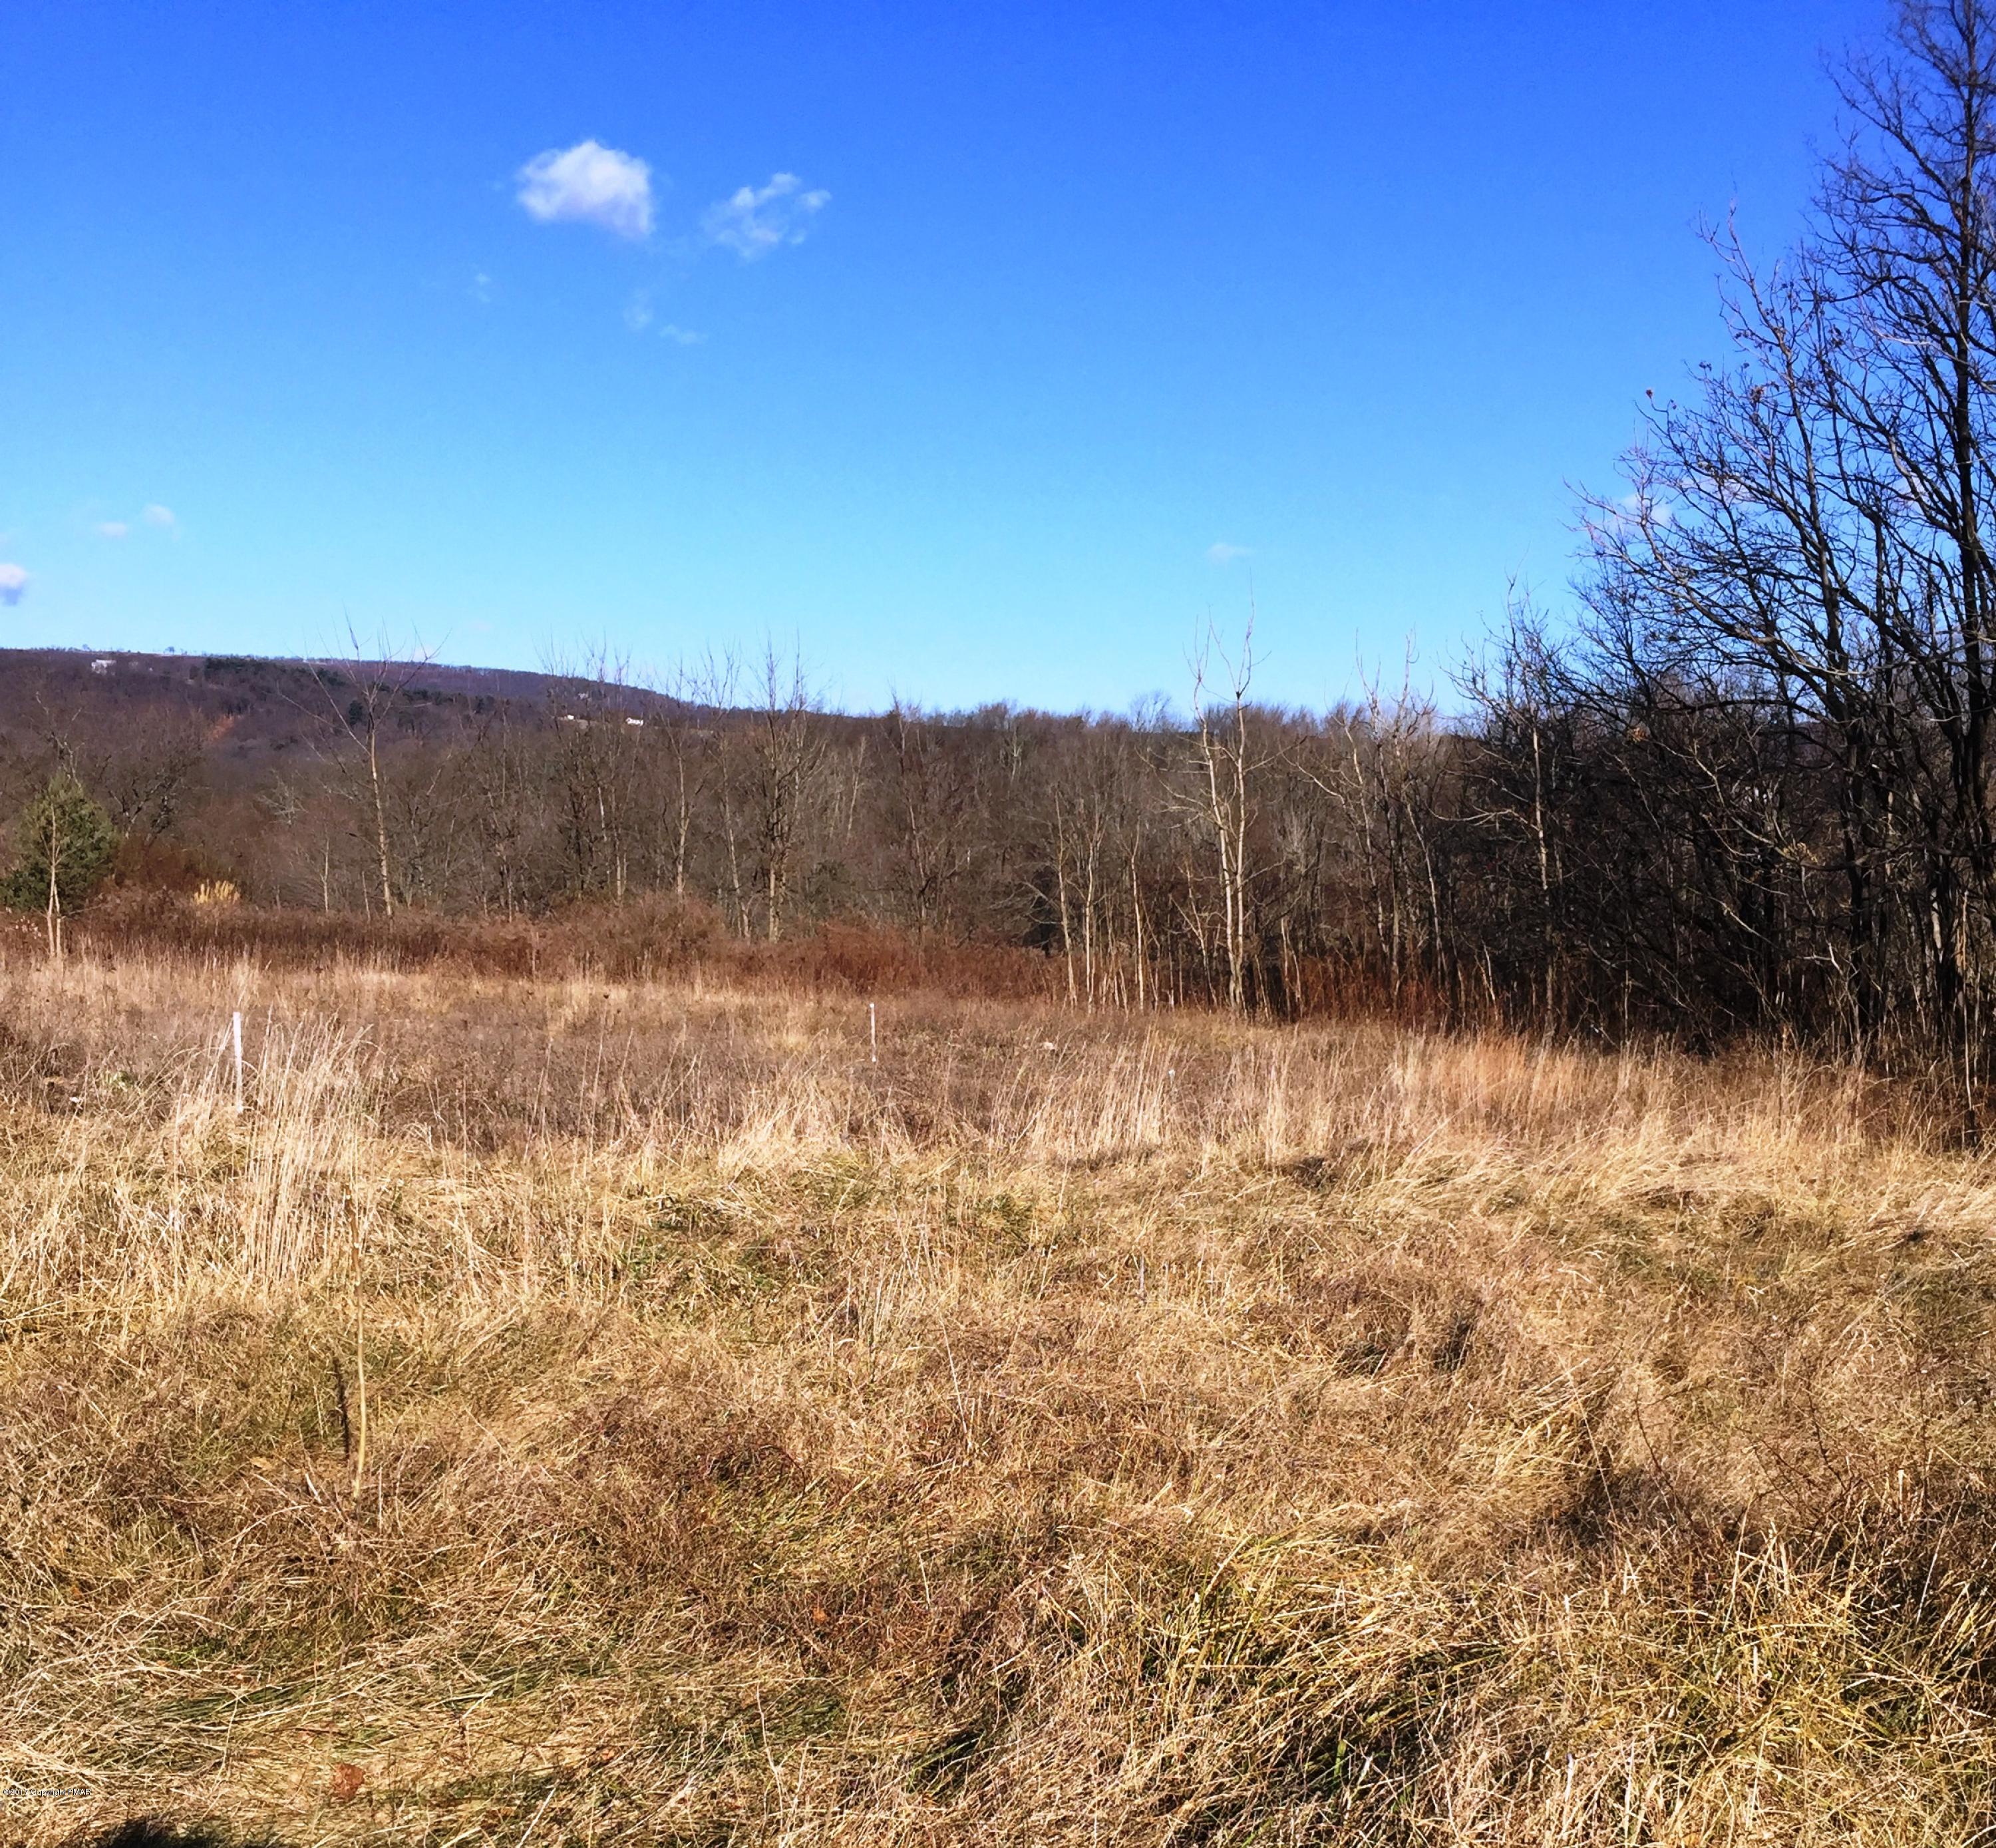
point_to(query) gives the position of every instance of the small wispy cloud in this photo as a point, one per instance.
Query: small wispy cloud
(13, 584)
(639, 315)
(755, 220)
(1221, 553)
(1638, 509)
(481, 287)
(162, 519)
(589, 184)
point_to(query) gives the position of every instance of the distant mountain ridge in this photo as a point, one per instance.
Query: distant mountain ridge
(519, 685)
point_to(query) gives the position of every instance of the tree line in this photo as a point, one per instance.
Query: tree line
(1745, 787)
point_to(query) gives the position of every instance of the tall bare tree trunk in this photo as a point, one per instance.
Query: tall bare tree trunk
(381, 818)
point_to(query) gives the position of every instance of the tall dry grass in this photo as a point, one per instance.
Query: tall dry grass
(615, 1412)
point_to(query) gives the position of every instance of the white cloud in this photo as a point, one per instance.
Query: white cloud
(591, 184)
(756, 220)
(1635, 509)
(162, 518)
(13, 584)
(639, 315)
(1220, 552)
(481, 286)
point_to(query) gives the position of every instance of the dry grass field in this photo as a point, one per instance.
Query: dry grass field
(566, 1413)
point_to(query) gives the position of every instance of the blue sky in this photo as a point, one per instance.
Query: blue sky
(1062, 324)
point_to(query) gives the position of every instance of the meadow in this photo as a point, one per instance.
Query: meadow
(567, 1410)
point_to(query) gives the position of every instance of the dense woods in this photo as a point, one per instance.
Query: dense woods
(1745, 789)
